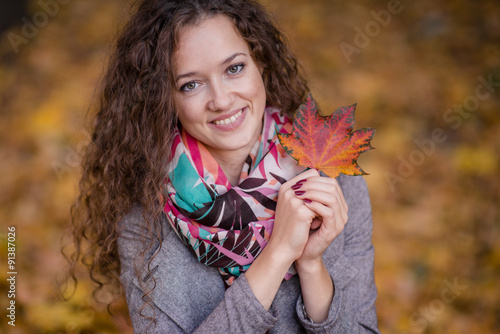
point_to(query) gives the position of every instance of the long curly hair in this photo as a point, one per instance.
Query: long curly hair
(125, 162)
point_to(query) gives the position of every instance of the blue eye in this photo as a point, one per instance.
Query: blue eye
(233, 69)
(189, 86)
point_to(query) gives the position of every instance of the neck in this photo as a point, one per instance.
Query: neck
(231, 163)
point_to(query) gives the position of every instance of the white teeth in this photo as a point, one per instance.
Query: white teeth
(230, 119)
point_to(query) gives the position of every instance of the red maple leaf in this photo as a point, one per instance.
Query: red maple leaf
(326, 143)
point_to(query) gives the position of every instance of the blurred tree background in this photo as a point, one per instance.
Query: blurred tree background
(426, 74)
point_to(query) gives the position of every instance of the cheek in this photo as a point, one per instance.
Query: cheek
(188, 120)
(256, 87)
(187, 111)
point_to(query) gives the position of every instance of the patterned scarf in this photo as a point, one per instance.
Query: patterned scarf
(228, 226)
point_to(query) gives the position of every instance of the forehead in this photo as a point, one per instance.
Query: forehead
(212, 40)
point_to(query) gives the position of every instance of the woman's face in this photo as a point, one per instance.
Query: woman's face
(219, 93)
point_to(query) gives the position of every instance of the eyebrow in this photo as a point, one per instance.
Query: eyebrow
(226, 61)
(230, 59)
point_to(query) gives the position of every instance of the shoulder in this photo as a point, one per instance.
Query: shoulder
(171, 265)
(134, 234)
(355, 239)
(352, 185)
(357, 198)
(133, 221)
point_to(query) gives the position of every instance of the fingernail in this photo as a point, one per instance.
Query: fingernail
(307, 200)
(300, 193)
(301, 181)
(296, 186)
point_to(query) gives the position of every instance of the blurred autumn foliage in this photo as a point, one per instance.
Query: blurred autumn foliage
(426, 74)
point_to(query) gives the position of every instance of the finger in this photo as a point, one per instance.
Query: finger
(333, 201)
(325, 184)
(325, 180)
(320, 178)
(326, 187)
(332, 221)
(316, 223)
(325, 197)
(290, 196)
(304, 176)
(341, 193)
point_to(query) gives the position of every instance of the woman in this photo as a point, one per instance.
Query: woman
(187, 194)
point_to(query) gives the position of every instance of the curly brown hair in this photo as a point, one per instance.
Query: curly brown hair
(125, 162)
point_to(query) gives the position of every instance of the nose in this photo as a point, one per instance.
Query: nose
(221, 96)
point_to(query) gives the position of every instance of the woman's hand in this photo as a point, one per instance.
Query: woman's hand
(323, 196)
(292, 224)
(306, 201)
(293, 219)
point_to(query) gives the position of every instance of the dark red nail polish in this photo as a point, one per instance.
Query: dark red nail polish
(301, 181)
(307, 200)
(296, 186)
(300, 193)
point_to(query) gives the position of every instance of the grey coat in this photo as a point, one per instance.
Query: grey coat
(189, 297)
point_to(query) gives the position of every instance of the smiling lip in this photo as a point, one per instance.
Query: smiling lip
(228, 116)
(229, 121)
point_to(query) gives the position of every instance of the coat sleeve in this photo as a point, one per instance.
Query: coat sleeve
(349, 260)
(187, 298)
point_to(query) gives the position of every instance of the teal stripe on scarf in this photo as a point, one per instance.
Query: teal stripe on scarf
(186, 175)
